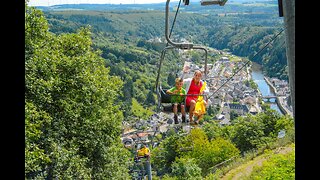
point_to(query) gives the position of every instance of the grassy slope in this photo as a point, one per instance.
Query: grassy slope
(245, 169)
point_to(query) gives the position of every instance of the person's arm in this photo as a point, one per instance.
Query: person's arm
(205, 93)
(187, 83)
(184, 92)
(170, 91)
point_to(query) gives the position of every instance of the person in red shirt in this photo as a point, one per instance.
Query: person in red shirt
(193, 86)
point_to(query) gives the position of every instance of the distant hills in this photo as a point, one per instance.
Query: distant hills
(153, 6)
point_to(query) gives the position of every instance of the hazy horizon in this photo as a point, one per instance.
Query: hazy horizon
(57, 2)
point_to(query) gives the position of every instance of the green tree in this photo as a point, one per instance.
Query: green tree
(150, 98)
(269, 118)
(112, 58)
(247, 132)
(186, 169)
(171, 79)
(206, 153)
(165, 154)
(233, 115)
(126, 99)
(213, 130)
(72, 117)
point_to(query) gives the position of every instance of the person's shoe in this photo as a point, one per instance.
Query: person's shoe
(191, 121)
(175, 117)
(137, 160)
(183, 119)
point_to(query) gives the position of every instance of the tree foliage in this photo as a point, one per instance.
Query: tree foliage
(196, 146)
(244, 34)
(72, 115)
(185, 169)
(251, 132)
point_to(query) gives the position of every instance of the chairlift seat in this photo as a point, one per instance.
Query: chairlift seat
(166, 104)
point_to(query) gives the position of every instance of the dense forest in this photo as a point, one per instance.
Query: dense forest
(243, 29)
(88, 71)
(125, 39)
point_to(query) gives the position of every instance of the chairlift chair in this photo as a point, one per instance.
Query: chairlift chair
(164, 103)
(164, 99)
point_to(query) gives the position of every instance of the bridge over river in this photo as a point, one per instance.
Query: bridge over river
(270, 96)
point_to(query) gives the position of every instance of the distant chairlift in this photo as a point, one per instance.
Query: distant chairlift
(212, 2)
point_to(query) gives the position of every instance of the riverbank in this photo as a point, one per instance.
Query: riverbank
(274, 90)
(263, 88)
(279, 100)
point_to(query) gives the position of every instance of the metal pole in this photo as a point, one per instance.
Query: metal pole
(148, 164)
(158, 76)
(289, 22)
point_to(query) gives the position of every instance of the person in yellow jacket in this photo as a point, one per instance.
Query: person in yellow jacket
(144, 152)
(200, 108)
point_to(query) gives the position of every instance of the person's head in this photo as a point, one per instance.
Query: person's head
(197, 75)
(179, 83)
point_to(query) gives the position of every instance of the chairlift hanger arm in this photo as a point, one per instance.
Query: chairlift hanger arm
(159, 70)
(186, 45)
(178, 45)
(160, 65)
(172, 47)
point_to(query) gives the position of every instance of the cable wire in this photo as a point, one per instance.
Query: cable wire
(174, 21)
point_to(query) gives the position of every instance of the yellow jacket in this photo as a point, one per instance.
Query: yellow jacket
(143, 151)
(200, 107)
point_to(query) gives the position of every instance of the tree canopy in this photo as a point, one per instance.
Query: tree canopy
(72, 119)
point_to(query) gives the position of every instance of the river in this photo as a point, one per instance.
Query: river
(264, 88)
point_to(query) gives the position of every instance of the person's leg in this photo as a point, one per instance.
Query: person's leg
(191, 109)
(183, 113)
(175, 109)
(175, 112)
(198, 119)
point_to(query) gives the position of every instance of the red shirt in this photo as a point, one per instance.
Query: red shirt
(193, 89)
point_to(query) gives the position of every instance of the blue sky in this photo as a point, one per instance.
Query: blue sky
(55, 2)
